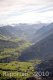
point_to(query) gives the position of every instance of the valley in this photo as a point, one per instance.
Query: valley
(25, 49)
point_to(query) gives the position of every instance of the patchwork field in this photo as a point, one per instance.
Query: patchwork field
(18, 70)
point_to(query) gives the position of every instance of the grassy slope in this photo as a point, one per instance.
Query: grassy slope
(13, 52)
(21, 70)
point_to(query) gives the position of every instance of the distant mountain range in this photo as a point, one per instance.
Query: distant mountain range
(24, 31)
(43, 49)
(42, 33)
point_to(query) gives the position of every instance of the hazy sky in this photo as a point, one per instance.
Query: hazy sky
(26, 11)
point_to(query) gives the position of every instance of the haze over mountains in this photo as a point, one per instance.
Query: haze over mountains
(44, 46)
(43, 32)
(24, 31)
